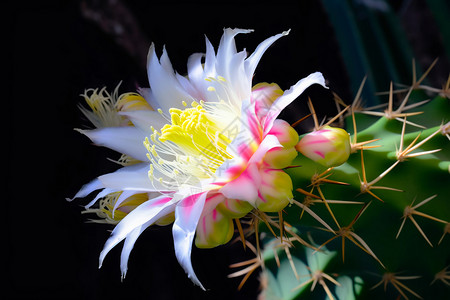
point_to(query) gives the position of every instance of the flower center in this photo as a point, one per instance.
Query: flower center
(191, 147)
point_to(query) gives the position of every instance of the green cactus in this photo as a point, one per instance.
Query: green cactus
(375, 227)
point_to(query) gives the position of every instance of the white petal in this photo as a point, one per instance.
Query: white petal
(127, 140)
(123, 196)
(289, 96)
(187, 215)
(87, 189)
(148, 212)
(194, 67)
(133, 177)
(128, 246)
(188, 86)
(252, 61)
(226, 50)
(99, 196)
(145, 119)
(210, 59)
(148, 96)
(165, 87)
(241, 85)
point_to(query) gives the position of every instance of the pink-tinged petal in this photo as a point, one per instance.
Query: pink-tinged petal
(329, 146)
(280, 158)
(286, 135)
(187, 215)
(269, 142)
(214, 229)
(245, 187)
(211, 202)
(166, 89)
(127, 140)
(263, 95)
(275, 191)
(289, 96)
(255, 57)
(148, 212)
(234, 208)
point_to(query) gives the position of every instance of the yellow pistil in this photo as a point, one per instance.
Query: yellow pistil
(195, 142)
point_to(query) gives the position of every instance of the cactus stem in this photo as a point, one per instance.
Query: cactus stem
(410, 210)
(391, 278)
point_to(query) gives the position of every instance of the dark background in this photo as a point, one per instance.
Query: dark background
(59, 48)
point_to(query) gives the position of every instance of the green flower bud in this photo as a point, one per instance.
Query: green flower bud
(329, 146)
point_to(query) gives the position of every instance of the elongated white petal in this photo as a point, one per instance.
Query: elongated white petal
(187, 215)
(128, 246)
(165, 87)
(100, 195)
(148, 96)
(195, 68)
(133, 177)
(127, 140)
(290, 95)
(145, 119)
(123, 196)
(87, 189)
(210, 59)
(252, 61)
(148, 212)
(226, 50)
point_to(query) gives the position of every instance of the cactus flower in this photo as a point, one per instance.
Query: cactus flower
(203, 151)
(329, 146)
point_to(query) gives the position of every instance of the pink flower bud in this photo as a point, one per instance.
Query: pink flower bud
(329, 146)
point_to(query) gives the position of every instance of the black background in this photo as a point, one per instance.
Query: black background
(57, 50)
